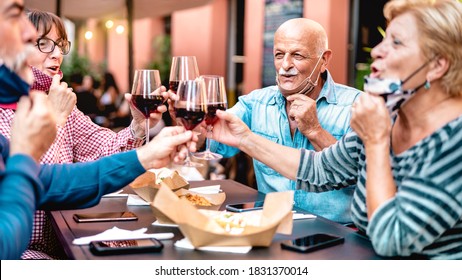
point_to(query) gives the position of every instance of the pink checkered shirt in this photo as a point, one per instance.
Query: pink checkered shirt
(79, 140)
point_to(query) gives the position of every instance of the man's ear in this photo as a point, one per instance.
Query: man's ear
(326, 56)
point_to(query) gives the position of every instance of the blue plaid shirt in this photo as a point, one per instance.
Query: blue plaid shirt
(264, 112)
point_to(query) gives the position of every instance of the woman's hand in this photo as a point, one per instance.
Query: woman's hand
(62, 99)
(370, 119)
(138, 123)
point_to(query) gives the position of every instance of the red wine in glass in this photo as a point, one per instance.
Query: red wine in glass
(147, 104)
(190, 118)
(211, 116)
(145, 96)
(216, 100)
(190, 108)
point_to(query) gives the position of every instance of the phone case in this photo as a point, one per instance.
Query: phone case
(105, 217)
(125, 247)
(332, 241)
(232, 208)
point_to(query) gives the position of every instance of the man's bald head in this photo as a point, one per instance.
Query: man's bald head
(304, 30)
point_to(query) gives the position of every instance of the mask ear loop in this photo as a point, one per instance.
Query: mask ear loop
(319, 74)
(417, 71)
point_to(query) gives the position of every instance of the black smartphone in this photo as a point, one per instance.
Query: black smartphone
(128, 246)
(246, 206)
(311, 243)
(105, 217)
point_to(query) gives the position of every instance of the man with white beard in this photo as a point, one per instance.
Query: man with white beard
(306, 109)
(24, 184)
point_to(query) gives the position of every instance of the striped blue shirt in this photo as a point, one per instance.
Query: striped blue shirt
(425, 215)
(264, 113)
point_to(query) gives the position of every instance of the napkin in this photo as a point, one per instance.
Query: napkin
(186, 244)
(300, 216)
(116, 194)
(207, 189)
(116, 233)
(156, 223)
(134, 199)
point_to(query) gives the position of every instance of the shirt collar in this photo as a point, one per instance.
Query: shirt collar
(328, 89)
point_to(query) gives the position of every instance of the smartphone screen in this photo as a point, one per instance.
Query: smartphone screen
(105, 217)
(125, 246)
(247, 206)
(312, 242)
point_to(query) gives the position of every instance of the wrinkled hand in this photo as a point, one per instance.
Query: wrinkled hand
(229, 129)
(169, 145)
(303, 110)
(370, 119)
(34, 126)
(139, 119)
(62, 99)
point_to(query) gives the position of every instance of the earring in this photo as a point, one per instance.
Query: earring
(427, 85)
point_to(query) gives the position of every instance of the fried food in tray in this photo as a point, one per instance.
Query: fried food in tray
(197, 199)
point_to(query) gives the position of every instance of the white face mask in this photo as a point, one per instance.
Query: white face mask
(305, 87)
(392, 90)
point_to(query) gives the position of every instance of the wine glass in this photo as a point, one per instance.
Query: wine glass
(190, 108)
(216, 99)
(144, 97)
(183, 68)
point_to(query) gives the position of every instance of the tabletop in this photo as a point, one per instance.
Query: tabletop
(355, 246)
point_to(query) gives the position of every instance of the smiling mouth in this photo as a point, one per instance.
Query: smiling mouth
(286, 78)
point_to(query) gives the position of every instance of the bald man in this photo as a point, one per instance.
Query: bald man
(306, 109)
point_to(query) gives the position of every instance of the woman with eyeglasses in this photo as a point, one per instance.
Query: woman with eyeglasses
(78, 138)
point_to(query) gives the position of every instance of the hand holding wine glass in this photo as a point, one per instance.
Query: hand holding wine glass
(215, 99)
(190, 107)
(145, 96)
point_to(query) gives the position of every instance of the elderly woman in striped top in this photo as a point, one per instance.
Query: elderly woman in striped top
(406, 148)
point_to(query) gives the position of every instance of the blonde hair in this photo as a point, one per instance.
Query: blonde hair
(440, 25)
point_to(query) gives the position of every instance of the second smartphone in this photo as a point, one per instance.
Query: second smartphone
(128, 246)
(312, 243)
(247, 206)
(105, 217)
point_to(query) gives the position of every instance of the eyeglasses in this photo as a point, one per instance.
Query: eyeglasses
(46, 45)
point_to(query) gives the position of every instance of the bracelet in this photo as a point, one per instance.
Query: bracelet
(132, 131)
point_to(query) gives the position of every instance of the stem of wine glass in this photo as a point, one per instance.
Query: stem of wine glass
(207, 139)
(147, 130)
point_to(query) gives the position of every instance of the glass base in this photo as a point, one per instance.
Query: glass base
(190, 164)
(207, 155)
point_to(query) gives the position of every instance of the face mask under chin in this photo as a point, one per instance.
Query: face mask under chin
(392, 89)
(305, 87)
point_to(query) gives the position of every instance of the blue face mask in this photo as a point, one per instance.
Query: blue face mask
(12, 87)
